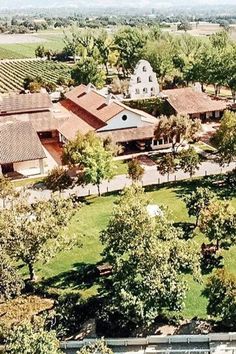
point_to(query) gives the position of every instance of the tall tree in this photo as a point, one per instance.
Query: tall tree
(197, 201)
(148, 259)
(189, 161)
(94, 157)
(178, 129)
(225, 138)
(34, 232)
(129, 42)
(87, 71)
(167, 165)
(7, 190)
(135, 170)
(220, 291)
(218, 222)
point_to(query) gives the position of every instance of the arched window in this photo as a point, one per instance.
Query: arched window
(152, 91)
(124, 117)
(144, 69)
(137, 91)
(145, 90)
(138, 79)
(150, 78)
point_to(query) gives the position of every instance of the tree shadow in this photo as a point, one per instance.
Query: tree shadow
(210, 262)
(81, 277)
(187, 228)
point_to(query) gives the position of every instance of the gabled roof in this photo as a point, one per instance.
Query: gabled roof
(188, 101)
(19, 142)
(94, 103)
(16, 103)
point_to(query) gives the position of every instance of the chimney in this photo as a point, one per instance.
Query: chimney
(108, 99)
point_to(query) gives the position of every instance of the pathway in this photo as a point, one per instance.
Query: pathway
(151, 177)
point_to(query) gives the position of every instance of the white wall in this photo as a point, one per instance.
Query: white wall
(133, 120)
(151, 87)
(28, 168)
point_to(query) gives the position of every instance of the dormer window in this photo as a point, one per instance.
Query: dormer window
(138, 80)
(150, 79)
(144, 69)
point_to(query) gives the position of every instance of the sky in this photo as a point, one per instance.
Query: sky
(107, 3)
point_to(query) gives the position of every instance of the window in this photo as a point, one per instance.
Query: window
(138, 80)
(124, 117)
(160, 142)
(144, 69)
(137, 91)
(155, 142)
(145, 90)
(150, 79)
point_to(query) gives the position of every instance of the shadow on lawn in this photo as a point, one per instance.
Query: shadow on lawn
(216, 183)
(82, 276)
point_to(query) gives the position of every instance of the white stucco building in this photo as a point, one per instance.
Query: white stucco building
(143, 82)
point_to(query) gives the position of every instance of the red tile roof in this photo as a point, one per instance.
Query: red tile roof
(19, 142)
(41, 121)
(130, 134)
(16, 103)
(94, 103)
(70, 128)
(188, 101)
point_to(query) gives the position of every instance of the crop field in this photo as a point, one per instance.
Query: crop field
(13, 72)
(23, 46)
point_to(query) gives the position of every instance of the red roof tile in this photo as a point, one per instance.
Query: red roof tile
(94, 103)
(188, 101)
(24, 103)
(19, 142)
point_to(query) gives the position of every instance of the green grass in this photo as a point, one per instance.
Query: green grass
(28, 181)
(94, 216)
(27, 50)
(121, 167)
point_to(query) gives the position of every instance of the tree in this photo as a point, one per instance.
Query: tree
(178, 129)
(7, 190)
(197, 201)
(99, 346)
(94, 157)
(104, 43)
(220, 291)
(87, 71)
(160, 55)
(225, 138)
(189, 161)
(166, 164)
(58, 179)
(148, 259)
(218, 222)
(135, 170)
(129, 42)
(184, 26)
(40, 51)
(11, 283)
(25, 339)
(33, 232)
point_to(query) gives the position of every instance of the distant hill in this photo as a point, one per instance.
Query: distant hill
(13, 4)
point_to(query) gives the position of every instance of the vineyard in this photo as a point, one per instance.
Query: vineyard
(13, 72)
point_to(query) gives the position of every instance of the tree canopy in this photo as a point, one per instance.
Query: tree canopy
(148, 259)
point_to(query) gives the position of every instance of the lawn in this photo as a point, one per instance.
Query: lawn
(93, 217)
